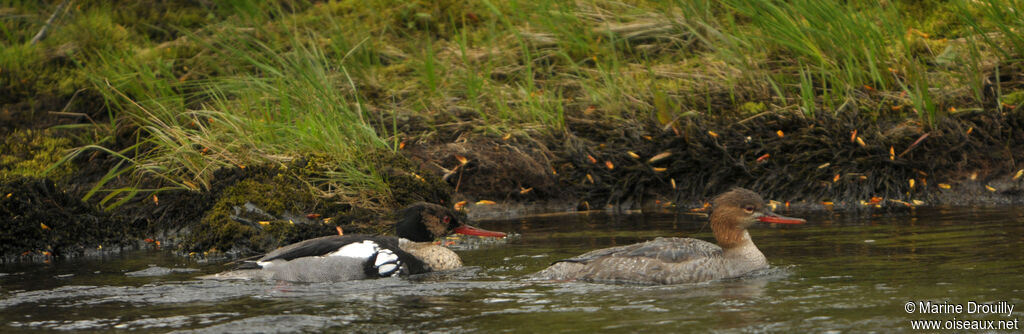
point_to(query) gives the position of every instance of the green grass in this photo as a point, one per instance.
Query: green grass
(272, 104)
(822, 54)
(240, 83)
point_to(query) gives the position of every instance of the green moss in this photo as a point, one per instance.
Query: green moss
(272, 191)
(280, 192)
(218, 232)
(28, 71)
(418, 186)
(95, 31)
(396, 180)
(1014, 98)
(940, 19)
(408, 184)
(27, 153)
(58, 65)
(162, 20)
(52, 67)
(753, 108)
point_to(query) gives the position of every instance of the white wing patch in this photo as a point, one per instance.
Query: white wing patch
(358, 250)
(385, 260)
(387, 263)
(385, 256)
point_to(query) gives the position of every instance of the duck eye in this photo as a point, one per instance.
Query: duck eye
(749, 209)
(447, 219)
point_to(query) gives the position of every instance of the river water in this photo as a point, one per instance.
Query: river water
(840, 272)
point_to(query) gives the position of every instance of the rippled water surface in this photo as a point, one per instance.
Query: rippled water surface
(841, 272)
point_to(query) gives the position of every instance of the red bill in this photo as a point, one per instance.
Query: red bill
(774, 218)
(470, 230)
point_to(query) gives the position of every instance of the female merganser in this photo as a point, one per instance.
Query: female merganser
(351, 257)
(681, 260)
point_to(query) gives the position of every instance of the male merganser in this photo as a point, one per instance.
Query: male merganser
(681, 260)
(351, 257)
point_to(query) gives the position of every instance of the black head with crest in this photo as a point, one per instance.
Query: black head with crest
(422, 222)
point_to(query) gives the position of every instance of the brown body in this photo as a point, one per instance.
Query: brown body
(680, 260)
(435, 257)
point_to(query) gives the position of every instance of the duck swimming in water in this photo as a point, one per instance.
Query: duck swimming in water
(352, 257)
(681, 260)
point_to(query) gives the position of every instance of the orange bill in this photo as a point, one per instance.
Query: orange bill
(777, 219)
(470, 230)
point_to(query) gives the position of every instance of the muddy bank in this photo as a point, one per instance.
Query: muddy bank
(841, 161)
(246, 211)
(789, 157)
(820, 163)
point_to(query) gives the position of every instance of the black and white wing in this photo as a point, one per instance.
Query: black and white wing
(334, 258)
